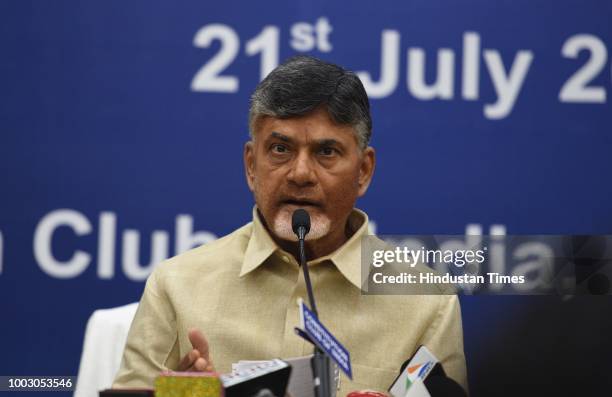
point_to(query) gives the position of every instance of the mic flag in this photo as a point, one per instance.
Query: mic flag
(418, 367)
(325, 340)
(207, 384)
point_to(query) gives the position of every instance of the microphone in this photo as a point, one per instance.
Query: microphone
(265, 379)
(444, 386)
(422, 375)
(300, 223)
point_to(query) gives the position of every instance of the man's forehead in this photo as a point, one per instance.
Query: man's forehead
(304, 128)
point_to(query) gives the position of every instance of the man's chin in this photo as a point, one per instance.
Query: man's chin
(319, 226)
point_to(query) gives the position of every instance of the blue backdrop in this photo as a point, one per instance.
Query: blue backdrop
(121, 121)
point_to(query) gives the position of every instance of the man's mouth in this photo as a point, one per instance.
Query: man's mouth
(301, 203)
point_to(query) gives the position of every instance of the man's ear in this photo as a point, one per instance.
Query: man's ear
(249, 164)
(366, 169)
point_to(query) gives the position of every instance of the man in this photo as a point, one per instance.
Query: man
(236, 298)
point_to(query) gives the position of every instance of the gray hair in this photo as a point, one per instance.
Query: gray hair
(302, 84)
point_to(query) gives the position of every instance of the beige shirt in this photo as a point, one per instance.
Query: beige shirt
(242, 290)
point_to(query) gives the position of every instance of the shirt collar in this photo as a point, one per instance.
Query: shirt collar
(347, 258)
(260, 246)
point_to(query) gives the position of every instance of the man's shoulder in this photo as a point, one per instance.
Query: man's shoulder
(225, 251)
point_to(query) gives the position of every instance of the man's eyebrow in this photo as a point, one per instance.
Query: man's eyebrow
(320, 142)
(282, 137)
(328, 142)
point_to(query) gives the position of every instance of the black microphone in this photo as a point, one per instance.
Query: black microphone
(267, 379)
(426, 367)
(443, 386)
(300, 223)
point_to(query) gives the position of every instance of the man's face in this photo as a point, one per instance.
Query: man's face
(306, 162)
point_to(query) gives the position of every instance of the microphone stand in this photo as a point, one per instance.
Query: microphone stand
(320, 361)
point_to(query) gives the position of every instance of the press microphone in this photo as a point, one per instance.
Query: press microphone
(265, 379)
(422, 375)
(438, 386)
(300, 223)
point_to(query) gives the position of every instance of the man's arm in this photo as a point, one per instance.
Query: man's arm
(152, 343)
(445, 339)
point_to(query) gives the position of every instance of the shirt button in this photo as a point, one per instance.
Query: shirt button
(286, 258)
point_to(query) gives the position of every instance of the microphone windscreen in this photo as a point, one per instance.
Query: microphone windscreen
(299, 219)
(444, 386)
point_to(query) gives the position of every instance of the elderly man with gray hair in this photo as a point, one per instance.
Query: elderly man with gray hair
(235, 298)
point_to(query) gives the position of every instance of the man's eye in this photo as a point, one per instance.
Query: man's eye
(327, 151)
(278, 148)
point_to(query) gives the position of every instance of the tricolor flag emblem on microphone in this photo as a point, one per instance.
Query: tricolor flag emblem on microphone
(418, 371)
(419, 367)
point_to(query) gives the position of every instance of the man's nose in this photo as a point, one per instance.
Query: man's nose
(302, 171)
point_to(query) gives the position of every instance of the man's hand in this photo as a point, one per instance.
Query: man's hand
(198, 359)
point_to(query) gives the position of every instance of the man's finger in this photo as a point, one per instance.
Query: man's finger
(188, 360)
(199, 342)
(200, 364)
